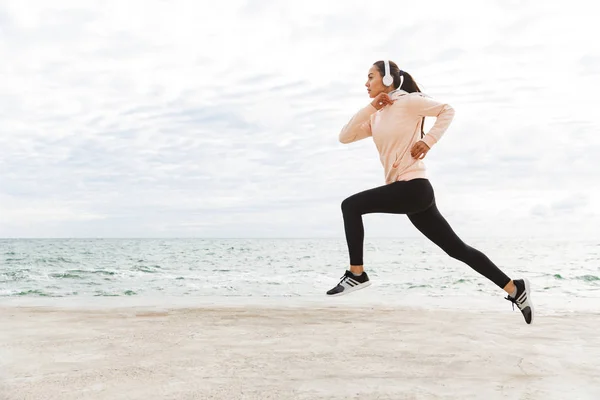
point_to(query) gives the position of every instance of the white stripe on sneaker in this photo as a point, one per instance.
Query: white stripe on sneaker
(350, 289)
(354, 282)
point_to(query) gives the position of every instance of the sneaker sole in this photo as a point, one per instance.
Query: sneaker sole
(352, 289)
(528, 290)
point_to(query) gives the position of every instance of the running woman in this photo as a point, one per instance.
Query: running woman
(394, 119)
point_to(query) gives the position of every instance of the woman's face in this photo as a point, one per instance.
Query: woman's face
(375, 83)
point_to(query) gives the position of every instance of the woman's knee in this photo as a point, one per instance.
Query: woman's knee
(459, 251)
(346, 205)
(350, 204)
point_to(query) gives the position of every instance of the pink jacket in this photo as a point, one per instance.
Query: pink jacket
(396, 128)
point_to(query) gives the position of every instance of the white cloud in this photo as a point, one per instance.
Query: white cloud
(221, 119)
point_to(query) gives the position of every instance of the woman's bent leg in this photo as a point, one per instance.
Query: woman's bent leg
(396, 198)
(435, 227)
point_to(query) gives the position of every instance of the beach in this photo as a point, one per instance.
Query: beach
(276, 351)
(183, 182)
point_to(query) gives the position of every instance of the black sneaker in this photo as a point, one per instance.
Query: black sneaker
(350, 283)
(523, 299)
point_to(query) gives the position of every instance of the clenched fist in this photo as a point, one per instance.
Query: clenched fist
(381, 101)
(419, 150)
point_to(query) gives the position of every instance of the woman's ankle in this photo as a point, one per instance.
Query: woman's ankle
(357, 269)
(510, 287)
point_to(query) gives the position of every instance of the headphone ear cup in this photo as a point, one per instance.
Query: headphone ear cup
(388, 80)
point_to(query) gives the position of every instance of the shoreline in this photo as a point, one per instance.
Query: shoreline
(545, 304)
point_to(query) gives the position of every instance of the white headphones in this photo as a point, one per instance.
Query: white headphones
(388, 79)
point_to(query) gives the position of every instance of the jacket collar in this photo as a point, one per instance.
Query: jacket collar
(395, 94)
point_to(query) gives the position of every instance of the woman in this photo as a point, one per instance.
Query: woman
(394, 119)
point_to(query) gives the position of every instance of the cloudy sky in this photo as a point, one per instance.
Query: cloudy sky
(221, 118)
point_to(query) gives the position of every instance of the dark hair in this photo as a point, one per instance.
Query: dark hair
(409, 85)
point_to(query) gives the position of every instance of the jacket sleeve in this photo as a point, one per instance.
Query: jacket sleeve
(444, 114)
(359, 127)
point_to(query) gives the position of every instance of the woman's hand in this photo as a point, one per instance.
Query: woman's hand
(419, 150)
(381, 101)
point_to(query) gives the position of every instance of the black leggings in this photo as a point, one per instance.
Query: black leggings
(416, 199)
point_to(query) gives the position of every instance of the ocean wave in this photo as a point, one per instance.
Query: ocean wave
(35, 292)
(101, 293)
(54, 260)
(150, 269)
(65, 275)
(84, 271)
(588, 278)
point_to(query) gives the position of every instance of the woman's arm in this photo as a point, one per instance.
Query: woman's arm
(427, 107)
(359, 127)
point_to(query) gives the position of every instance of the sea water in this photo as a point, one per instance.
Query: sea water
(85, 270)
